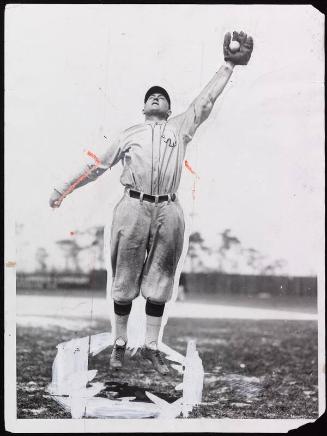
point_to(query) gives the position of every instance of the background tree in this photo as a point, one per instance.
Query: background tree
(227, 241)
(41, 256)
(254, 260)
(70, 251)
(196, 250)
(91, 241)
(98, 243)
(274, 268)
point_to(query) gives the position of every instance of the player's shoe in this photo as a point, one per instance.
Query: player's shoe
(118, 354)
(155, 357)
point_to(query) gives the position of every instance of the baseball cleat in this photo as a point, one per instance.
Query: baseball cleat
(155, 357)
(117, 354)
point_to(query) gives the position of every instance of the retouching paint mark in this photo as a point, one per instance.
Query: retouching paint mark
(82, 177)
(192, 379)
(10, 264)
(188, 166)
(93, 156)
(71, 376)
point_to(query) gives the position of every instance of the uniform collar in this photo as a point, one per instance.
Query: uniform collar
(155, 122)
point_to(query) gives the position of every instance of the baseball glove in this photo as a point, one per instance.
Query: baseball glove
(242, 56)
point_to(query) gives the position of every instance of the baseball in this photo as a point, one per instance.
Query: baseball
(234, 46)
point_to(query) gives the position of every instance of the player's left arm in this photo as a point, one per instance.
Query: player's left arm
(201, 107)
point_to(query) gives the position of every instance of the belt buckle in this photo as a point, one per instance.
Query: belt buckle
(156, 199)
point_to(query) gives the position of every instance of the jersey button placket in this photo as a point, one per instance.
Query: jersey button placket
(156, 145)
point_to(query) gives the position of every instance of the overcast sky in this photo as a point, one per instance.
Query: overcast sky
(76, 73)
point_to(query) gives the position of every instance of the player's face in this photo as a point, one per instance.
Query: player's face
(158, 105)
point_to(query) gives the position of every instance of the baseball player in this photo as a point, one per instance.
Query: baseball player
(147, 230)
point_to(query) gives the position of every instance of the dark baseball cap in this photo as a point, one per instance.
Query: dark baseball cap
(157, 90)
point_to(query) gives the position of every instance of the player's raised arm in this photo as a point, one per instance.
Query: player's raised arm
(87, 174)
(201, 107)
(240, 56)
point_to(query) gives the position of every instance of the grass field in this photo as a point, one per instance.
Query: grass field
(254, 369)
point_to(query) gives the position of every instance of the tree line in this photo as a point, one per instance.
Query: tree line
(228, 255)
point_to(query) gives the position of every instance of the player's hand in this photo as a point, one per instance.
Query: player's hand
(55, 199)
(242, 56)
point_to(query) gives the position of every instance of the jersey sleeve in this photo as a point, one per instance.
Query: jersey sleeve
(188, 122)
(96, 166)
(112, 154)
(201, 107)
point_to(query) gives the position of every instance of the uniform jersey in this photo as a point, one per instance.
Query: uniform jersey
(152, 153)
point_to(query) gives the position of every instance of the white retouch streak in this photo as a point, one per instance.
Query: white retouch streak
(70, 376)
(192, 380)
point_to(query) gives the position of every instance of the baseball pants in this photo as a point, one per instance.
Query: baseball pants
(146, 244)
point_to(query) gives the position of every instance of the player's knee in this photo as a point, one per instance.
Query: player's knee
(154, 308)
(122, 308)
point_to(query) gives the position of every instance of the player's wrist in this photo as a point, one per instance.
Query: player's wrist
(229, 65)
(59, 193)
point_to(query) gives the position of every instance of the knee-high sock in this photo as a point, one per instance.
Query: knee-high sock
(121, 327)
(122, 312)
(153, 324)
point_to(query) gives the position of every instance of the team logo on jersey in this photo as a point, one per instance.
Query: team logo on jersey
(169, 141)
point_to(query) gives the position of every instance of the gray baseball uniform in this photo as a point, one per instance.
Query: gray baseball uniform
(147, 238)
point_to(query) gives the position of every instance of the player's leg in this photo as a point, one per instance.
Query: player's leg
(121, 314)
(154, 312)
(129, 237)
(164, 251)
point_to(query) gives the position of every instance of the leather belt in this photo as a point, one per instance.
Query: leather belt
(151, 198)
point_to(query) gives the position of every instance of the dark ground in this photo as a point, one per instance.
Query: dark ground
(254, 369)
